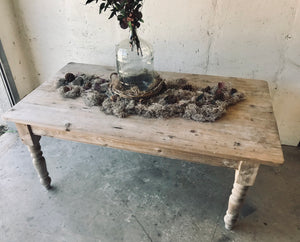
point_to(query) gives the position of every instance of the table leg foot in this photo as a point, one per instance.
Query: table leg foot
(236, 200)
(40, 165)
(33, 143)
(244, 178)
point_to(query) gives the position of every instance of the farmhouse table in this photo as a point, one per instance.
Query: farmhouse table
(243, 139)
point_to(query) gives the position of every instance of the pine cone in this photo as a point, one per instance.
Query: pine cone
(69, 77)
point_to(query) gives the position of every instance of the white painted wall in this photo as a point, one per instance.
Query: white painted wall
(14, 41)
(4, 101)
(251, 39)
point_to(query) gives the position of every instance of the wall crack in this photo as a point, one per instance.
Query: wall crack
(211, 35)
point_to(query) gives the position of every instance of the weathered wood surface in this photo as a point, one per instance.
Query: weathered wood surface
(247, 132)
(235, 203)
(245, 177)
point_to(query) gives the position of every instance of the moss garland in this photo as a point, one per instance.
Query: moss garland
(177, 98)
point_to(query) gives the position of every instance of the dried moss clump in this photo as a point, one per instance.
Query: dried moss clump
(177, 98)
(91, 88)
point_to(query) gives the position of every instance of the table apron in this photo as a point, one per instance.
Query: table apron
(136, 146)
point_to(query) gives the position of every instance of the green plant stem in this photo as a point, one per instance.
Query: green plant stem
(134, 39)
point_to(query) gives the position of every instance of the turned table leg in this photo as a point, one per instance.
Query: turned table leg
(244, 178)
(33, 143)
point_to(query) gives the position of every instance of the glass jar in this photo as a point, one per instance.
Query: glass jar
(135, 66)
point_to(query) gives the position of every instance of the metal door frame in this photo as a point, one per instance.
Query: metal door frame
(7, 78)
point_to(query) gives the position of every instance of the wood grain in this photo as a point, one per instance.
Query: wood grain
(247, 132)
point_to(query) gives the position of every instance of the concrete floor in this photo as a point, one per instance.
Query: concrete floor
(103, 194)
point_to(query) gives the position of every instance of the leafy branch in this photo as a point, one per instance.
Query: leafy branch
(128, 13)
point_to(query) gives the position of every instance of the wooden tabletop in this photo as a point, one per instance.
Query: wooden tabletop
(247, 132)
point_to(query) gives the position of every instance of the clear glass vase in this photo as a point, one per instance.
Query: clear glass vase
(135, 65)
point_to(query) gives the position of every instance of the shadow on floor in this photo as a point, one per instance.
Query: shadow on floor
(3, 129)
